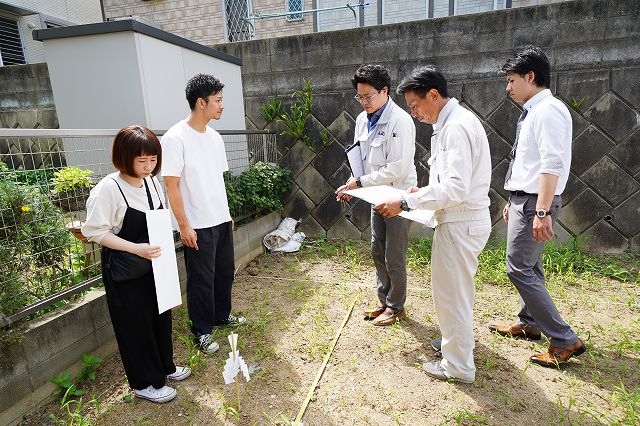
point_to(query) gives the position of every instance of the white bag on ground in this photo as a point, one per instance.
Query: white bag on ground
(293, 244)
(280, 236)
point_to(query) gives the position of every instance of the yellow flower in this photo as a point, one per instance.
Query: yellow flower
(25, 208)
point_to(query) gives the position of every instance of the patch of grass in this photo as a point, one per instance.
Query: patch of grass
(419, 256)
(465, 417)
(628, 402)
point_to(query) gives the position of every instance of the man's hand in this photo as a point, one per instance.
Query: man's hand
(389, 208)
(351, 184)
(147, 251)
(412, 189)
(189, 237)
(505, 213)
(542, 229)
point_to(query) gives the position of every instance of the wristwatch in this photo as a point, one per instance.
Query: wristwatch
(403, 205)
(542, 213)
(358, 183)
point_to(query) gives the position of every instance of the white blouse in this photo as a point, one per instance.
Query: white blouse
(106, 206)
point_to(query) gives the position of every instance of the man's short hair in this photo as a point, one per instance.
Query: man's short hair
(202, 86)
(131, 142)
(530, 58)
(373, 75)
(423, 79)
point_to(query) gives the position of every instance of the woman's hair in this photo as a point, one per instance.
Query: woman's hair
(131, 142)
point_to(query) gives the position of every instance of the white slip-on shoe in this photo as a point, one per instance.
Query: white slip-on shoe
(207, 345)
(181, 373)
(164, 394)
(435, 370)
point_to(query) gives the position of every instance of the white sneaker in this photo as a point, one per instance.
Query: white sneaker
(207, 345)
(181, 373)
(164, 394)
(437, 371)
(235, 321)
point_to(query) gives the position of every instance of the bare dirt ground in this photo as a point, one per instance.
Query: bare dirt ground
(294, 304)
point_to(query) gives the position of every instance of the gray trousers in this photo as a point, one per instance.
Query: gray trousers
(524, 268)
(389, 242)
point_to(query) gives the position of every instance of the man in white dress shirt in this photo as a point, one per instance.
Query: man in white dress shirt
(458, 191)
(537, 175)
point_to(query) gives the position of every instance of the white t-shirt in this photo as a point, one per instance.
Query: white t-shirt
(106, 206)
(199, 160)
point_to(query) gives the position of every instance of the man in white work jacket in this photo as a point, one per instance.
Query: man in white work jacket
(387, 135)
(459, 179)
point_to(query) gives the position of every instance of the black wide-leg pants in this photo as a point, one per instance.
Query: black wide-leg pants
(143, 335)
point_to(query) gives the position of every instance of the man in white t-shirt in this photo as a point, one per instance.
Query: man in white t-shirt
(194, 161)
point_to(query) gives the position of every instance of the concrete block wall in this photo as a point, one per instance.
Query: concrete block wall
(26, 97)
(593, 49)
(55, 342)
(26, 102)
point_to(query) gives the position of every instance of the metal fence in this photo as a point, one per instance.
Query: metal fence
(43, 259)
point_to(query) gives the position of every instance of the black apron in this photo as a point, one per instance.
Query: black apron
(143, 335)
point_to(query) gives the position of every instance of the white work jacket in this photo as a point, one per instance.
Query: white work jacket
(460, 168)
(389, 148)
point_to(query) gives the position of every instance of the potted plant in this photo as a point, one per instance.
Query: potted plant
(71, 187)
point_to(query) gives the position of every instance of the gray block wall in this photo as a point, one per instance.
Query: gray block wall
(594, 49)
(26, 102)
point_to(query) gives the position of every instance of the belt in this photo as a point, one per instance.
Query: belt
(522, 194)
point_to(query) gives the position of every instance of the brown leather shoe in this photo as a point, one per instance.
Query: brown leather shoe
(515, 330)
(373, 312)
(389, 317)
(556, 356)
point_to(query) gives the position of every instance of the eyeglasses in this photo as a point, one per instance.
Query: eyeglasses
(366, 99)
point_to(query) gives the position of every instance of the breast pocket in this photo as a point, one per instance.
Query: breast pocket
(377, 155)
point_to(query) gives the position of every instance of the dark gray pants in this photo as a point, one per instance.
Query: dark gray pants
(389, 241)
(524, 268)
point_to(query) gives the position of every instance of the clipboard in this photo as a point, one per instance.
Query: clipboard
(354, 159)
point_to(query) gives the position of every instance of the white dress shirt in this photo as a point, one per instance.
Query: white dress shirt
(544, 145)
(460, 168)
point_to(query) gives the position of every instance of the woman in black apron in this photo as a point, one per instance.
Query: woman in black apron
(143, 335)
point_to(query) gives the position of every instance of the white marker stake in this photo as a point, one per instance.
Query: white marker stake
(233, 339)
(234, 365)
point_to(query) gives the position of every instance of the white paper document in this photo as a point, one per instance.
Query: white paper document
(165, 267)
(379, 194)
(354, 157)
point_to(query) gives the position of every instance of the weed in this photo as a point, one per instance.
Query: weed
(466, 417)
(628, 402)
(68, 387)
(227, 409)
(577, 103)
(73, 410)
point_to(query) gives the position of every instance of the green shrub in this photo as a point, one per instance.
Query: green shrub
(39, 177)
(257, 189)
(33, 246)
(294, 118)
(71, 178)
